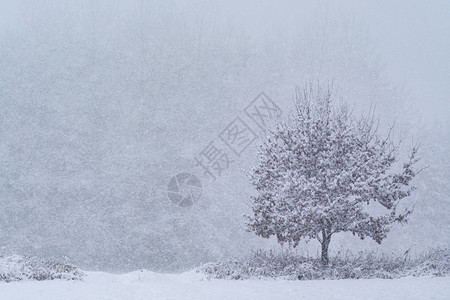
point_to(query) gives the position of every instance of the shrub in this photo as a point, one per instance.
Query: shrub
(362, 265)
(15, 267)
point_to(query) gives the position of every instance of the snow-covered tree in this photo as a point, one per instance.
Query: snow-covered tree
(318, 172)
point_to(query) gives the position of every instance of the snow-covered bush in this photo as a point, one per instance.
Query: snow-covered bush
(362, 265)
(15, 267)
(435, 263)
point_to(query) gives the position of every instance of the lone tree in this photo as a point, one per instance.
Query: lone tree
(319, 171)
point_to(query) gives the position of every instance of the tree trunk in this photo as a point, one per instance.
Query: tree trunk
(326, 238)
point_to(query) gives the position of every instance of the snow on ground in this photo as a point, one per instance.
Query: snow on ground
(149, 285)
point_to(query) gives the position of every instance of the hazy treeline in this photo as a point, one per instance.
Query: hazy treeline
(102, 102)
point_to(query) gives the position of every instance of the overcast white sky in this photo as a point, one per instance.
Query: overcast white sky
(411, 37)
(413, 40)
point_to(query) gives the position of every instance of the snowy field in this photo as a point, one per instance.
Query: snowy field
(149, 285)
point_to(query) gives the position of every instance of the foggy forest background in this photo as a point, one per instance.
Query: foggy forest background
(103, 102)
